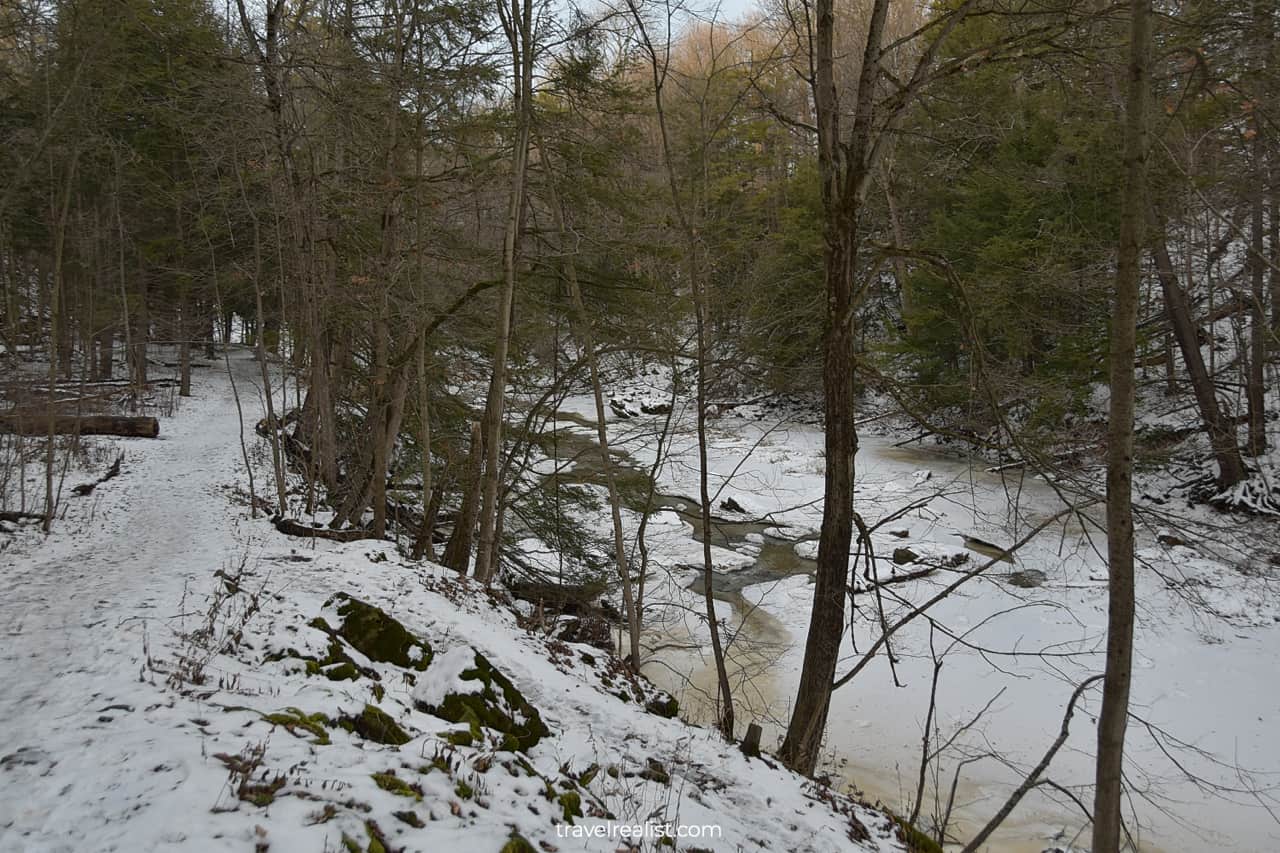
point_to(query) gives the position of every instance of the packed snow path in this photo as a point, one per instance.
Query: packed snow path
(77, 615)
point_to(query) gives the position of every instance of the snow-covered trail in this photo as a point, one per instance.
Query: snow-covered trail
(78, 616)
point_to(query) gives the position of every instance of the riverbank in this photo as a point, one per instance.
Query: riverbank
(1014, 643)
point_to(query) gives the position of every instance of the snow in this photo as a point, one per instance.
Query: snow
(443, 677)
(153, 687)
(1207, 631)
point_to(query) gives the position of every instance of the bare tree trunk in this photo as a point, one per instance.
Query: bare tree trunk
(124, 291)
(424, 546)
(378, 408)
(1222, 434)
(141, 334)
(1259, 330)
(842, 190)
(519, 28)
(582, 330)
(724, 696)
(457, 554)
(59, 211)
(899, 262)
(268, 397)
(1114, 715)
(184, 349)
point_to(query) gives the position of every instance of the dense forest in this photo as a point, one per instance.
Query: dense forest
(530, 290)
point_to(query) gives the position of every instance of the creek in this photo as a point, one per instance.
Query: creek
(757, 640)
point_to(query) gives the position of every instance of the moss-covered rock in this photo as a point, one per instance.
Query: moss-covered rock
(377, 841)
(494, 703)
(517, 844)
(570, 805)
(375, 724)
(336, 665)
(376, 635)
(294, 720)
(915, 840)
(409, 817)
(393, 784)
(587, 776)
(663, 706)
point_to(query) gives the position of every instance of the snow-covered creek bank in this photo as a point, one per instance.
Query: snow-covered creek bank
(1011, 655)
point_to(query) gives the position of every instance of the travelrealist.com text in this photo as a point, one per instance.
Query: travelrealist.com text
(640, 830)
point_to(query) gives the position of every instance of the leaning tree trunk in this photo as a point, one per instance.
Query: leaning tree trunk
(1222, 433)
(1114, 715)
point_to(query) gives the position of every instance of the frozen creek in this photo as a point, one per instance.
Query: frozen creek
(1204, 691)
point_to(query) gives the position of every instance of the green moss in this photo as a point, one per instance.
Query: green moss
(336, 665)
(463, 790)
(377, 842)
(376, 635)
(462, 737)
(498, 706)
(293, 719)
(517, 844)
(588, 775)
(409, 817)
(375, 724)
(570, 805)
(914, 838)
(344, 671)
(392, 783)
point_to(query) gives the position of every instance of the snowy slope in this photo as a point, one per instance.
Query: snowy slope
(157, 696)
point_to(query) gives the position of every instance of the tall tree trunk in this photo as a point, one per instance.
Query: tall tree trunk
(1114, 715)
(184, 348)
(582, 329)
(457, 553)
(1259, 329)
(519, 27)
(379, 409)
(1222, 433)
(268, 396)
(59, 208)
(842, 193)
(424, 546)
(659, 69)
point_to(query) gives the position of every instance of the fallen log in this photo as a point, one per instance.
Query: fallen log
(112, 472)
(896, 579)
(289, 527)
(37, 424)
(15, 517)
